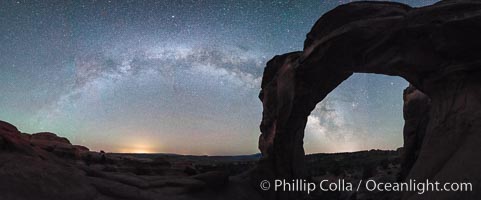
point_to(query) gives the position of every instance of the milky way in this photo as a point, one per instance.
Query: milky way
(177, 77)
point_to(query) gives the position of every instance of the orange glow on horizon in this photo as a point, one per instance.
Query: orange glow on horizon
(136, 150)
(138, 145)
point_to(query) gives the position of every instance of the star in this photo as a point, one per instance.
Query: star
(107, 71)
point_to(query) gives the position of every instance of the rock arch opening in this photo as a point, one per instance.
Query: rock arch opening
(365, 112)
(436, 53)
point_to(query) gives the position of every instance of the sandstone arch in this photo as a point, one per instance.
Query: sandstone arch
(436, 48)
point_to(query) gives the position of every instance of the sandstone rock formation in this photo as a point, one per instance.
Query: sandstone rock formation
(44, 166)
(436, 48)
(416, 110)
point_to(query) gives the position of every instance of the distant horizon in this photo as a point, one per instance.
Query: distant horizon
(179, 154)
(175, 76)
(256, 154)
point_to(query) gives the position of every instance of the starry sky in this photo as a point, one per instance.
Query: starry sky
(175, 76)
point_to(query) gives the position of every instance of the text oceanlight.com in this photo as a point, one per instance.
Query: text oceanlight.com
(420, 187)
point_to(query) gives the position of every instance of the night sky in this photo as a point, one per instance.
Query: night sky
(174, 76)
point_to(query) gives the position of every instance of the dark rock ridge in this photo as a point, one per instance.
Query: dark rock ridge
(436, 48)
(44, 166)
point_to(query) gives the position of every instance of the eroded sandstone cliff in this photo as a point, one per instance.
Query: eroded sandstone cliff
(436, 48)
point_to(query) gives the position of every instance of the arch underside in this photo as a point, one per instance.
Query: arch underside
(436, 48)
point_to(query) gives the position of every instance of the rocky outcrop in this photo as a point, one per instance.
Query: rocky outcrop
(29, 172)
(416, 116)
(58, 145)
(7, 127)
(45, 166)
(436, 48)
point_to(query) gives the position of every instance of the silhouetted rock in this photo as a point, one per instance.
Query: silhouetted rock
(60, 146)
(26, 136)
(28, 172)
(416, 117)
(436, 48)
(80, 152)
(5, 126)
(50, 137)
(215, 179)
(45, 166)
(12, 140)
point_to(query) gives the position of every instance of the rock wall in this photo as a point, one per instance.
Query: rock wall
(436, 48)
(416, 118)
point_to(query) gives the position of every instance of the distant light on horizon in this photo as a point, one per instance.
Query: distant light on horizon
(174, 77)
